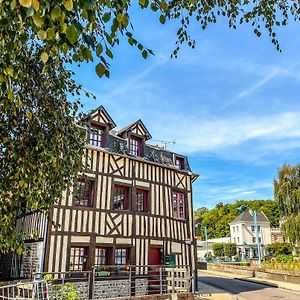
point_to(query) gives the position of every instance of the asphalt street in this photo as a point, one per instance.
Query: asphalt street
(242, 290)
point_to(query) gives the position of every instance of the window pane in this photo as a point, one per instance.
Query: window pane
(84, 192)
(120, 198)
(141, 200)
(96, 135)
(135, 146)
(77, 258)
(121, 255)
(178, 205)
(101, 257)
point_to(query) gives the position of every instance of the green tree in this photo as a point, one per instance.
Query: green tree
(287, 193)
(39, 40)
(217, 219)
(218, 249)
(279, 248)
(230, 249)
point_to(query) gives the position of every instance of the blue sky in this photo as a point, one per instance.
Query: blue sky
(232, 104)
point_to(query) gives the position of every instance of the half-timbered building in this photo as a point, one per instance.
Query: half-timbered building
(132, 205)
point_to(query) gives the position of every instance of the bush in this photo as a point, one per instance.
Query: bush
(279, 248)
(224, 249)
(284, 258)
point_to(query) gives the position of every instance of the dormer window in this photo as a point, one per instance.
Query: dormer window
(96, 135)
(135, 145)
(179, 162)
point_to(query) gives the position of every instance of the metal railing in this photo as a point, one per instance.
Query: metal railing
(122, 281)
(37, 290)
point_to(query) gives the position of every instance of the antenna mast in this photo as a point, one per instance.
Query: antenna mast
(165, 143)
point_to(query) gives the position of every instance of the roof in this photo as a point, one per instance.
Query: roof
(101, 110)
(247, 217)
(133, 125)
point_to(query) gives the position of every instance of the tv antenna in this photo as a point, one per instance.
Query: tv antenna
(165, 143)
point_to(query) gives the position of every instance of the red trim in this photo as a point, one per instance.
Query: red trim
(139, 144)
(177, 212)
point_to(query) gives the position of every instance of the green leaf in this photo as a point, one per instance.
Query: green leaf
(38, 20)
(145, 54)
(100, 69)
(68, 4)
(106, 17)
(29, 114)
(25, 3)
(29, 11)
(56, 12)
(72, 34)
(109, 54)
(163, 5)
(162, 19)
(42, 34)
(120, 18)
(99, 49)
(44, 57)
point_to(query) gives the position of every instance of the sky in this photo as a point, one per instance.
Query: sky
(231, 104)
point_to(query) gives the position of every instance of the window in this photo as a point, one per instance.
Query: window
(96, 135)
(135, 145)
(237, 228)
(238, 240)
(101, 256)
(253, 228)
(120, 197)
(234, 240)
(84, 192)
(121, 256)
(78, 259)
(178, 205)
(141, 200)
(233, 229)
(254, 240)
(179, 163)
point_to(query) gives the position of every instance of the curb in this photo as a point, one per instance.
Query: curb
(258, 282)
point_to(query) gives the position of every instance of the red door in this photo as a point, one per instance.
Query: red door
(154, 274)
(155, 256)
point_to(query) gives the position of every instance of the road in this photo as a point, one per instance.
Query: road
(242, 290)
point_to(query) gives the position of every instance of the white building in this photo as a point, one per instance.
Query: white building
(242, 232)
(201, 246)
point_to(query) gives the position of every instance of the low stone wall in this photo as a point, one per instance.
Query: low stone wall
(278, 275)
(247, 271)
(82, 288)
(179, 296)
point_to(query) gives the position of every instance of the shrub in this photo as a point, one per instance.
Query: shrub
(284, 258)
(279, 248)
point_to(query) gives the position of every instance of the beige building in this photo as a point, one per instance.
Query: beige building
(242, 232)
(201, 246)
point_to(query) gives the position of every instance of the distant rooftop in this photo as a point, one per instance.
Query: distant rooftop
(247, 217)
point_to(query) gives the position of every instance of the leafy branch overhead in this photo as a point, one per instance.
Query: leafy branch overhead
(40, 145)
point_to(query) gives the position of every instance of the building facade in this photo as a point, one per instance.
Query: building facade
(242, 232)
(205, 248)
(131, 205)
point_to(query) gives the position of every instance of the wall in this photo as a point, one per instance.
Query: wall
(284, 276)
(30, 262)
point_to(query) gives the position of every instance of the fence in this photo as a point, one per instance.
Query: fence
(120, 281)
(37, 290)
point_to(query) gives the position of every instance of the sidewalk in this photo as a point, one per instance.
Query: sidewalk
(272, 283)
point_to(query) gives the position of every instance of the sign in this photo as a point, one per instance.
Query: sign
(171, 260)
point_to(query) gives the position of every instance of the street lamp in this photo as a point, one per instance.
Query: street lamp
(253, 212)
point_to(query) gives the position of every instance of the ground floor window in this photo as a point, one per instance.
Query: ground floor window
(121, 256)
(101, 256)
(78, 259)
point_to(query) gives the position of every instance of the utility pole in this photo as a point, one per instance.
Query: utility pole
(206, 242)
(257, 238)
